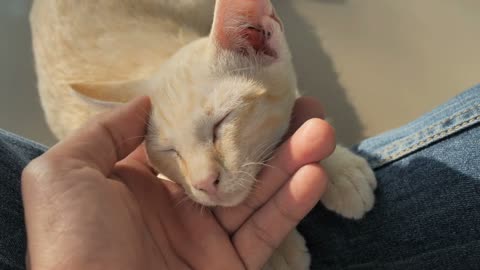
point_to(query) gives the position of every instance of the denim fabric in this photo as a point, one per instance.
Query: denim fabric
(15, 154)
(427, 212)
(454, 116)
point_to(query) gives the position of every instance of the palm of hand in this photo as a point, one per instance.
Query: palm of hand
(173, 232)
(92, 204)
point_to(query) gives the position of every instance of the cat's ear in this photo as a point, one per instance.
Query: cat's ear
(110, 93)
(248, 27)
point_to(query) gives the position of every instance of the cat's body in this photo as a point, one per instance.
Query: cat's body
(71, 37)
(241, 74)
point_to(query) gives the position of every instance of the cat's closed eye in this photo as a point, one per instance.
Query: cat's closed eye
(170, 151)
(217, 126)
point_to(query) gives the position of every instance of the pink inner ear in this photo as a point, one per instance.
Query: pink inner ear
(238, 25)
(254, 36)
(257, 39)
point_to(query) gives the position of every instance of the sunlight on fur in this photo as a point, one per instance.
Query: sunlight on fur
(222, 86)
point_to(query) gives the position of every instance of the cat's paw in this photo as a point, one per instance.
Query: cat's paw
(350, 191)
(291, 255)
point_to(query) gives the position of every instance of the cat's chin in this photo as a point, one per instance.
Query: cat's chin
(223, 200)
(234, 201)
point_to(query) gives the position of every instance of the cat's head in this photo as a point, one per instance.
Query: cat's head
(220, 104)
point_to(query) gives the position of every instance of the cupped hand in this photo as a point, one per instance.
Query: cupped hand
(92, 202)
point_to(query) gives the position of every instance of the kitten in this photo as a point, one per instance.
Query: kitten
(222, 92)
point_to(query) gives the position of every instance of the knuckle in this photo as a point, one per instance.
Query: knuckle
(252, 202)
(325, 133)
(285, 213)
(264, 235)
(37, 169)
(104, 130)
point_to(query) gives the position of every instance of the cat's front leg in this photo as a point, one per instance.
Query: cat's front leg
(291, 255)
(351, 186)
(350, 193)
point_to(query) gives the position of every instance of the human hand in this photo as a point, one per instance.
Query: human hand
(92, 202)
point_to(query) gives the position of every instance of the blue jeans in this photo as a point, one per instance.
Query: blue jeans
(427, 213)
(15, 154)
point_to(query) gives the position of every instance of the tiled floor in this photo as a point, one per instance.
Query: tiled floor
(375, 64)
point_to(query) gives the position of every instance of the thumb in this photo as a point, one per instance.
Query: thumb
(108, 139)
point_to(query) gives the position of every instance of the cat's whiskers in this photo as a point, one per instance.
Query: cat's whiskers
(258, 163)
(145, 120)
(182, 201)
(256, 187)
(268, 156)
(250, 175)
(268, 150)
(259, 154)
(260, 151)
(241, 181)
(241, 69)
(265, 151)
(194, 205)
(204, 210)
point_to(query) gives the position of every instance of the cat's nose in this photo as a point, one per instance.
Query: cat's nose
(209, 184)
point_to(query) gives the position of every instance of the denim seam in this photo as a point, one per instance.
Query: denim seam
(417, 135)
(435, 137)
(381, 160)
(24, 140)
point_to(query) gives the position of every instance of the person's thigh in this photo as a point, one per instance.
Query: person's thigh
(15, 154)
(427, 212)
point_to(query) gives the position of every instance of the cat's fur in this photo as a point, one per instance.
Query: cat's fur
(94, 53)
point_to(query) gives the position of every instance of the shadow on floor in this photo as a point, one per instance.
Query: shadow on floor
(316, 72)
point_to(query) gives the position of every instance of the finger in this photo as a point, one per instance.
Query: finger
(139, 155)
(138, 159)
(265, 230)
(305, 108)
(108, 139)
(313, 142)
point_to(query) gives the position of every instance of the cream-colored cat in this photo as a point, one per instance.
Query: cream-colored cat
(220, 100)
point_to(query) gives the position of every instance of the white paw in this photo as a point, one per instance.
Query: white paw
(350, 191)
(291, 255)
